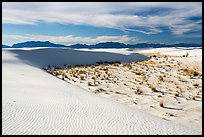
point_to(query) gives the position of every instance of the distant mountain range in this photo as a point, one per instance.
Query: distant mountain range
(139, 45)
(30, 44)
(5, 46)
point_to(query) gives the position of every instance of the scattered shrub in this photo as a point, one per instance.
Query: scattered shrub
(82, 76)
(99, 90)
(176, 94)
(194, 97)
(138, 92)
(76, 65)
(161, 103)
(161, 78)
(195, 84)
(190, 72)
(155, 90)
(94, 77)
(89, 84)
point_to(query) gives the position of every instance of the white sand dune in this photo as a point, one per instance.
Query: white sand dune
(35, 102)
(194, 58)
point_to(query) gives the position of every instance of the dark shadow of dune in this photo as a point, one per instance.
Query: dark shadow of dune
(60, 56)
(173, 108)
(191, 48)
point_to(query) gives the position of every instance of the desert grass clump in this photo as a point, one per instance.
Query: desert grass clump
(195, 85)
(154, 56)
(94, 77)
(161, 78)
(56, 73)
(186, 55)
(89, 84)
(138, 92)
(116, 64)
(52, 70)
(63, 75)
(142, 77)
(161, 103)
(152, 88)
(190, 72)
(99, 90)
(149, 62)
(82, 76)
(60, 71)
(105, 68)
(193, 97)
(138, 73)
(176, 94)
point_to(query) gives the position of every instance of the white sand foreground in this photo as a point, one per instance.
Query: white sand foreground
(35, 102)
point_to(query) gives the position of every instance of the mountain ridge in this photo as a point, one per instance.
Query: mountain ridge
(30, 44)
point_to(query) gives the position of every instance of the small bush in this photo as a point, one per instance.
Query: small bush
(99, 90)
(94, 77)
(82, 76)
(161, 103)
(161, 78)
(194, 97)
(153, 88)
(176, 94)
(138, 92)
(190, 72)
(89, 84)
(195, 84)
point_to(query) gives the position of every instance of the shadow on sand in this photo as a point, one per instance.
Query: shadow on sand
(59, 56)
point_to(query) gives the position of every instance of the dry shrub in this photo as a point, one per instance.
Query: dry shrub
(138, 92)
(153, 88)
(176, 94)
(99, 90)
(82, 76)
(161, 78)
(55, 73)
(149, 62)
(52, 70)
(105, 68)
(142, 78)
(60, 71)
(195, 84)
(138, 73)
(194, 97)
(63, 75)
(190, 72)
(94, 77)
(98, 75)
(161, 103)
(89, 84)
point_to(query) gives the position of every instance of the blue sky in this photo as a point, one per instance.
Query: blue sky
(94, 22)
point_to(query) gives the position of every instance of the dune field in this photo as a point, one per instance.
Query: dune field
(110, 93)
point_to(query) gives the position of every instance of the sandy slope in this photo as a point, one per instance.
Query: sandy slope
(35, 102)
(194, 58)
(142, 85)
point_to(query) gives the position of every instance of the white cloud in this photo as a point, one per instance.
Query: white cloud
(68, 39)
(123, 16)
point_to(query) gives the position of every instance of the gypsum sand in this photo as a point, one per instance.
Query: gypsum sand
(161, 86)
